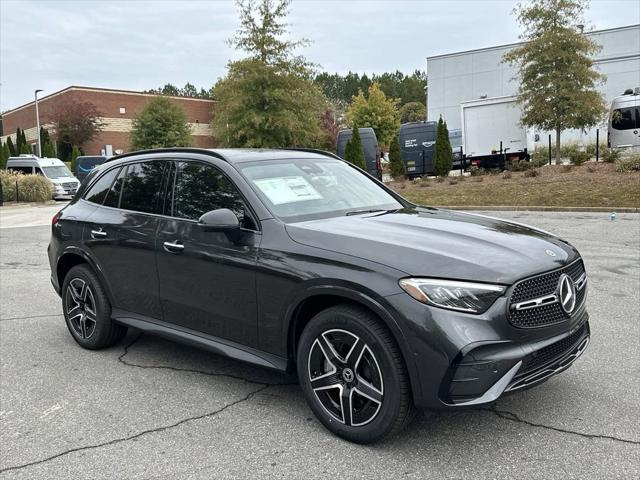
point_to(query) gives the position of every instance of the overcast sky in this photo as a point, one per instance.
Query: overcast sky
(137, 45)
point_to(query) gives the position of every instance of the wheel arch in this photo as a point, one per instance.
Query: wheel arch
(73, 256)
(317, 299)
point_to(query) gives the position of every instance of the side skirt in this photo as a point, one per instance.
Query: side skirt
(201, 340)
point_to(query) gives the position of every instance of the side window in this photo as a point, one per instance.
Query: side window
(39, 172)
(113, 195)
(141, 190)
(98, 191)
(25, 170)
(622, 119)
(201, 188)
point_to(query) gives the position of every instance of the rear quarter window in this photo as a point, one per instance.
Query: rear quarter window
(99, 190)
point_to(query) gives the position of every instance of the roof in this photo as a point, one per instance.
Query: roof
(106, 90)
(515, 44)
(239, 155)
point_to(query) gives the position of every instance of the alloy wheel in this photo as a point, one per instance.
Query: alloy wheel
(80, 305)
(345, 377)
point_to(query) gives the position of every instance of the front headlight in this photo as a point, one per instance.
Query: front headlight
(451, 294)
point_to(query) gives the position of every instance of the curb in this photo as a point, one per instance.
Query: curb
(498, 208)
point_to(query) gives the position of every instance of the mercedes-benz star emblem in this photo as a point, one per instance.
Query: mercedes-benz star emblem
(347, 374)
(567, 293)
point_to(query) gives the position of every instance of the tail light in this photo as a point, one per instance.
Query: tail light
(56, 218)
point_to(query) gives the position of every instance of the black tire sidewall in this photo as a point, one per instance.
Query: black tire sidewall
(352, 321)
(103, 308)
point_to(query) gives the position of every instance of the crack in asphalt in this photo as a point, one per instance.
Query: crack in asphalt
(513, 417)
(139, 434)
(31, 317)
(122, 360)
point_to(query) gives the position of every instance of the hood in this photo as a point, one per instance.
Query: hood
(439, 243)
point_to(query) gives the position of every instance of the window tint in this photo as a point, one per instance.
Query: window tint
(623, 119)
(25, 170)
(142, 184)
(113, 196)
(201, 188)
(100, 188)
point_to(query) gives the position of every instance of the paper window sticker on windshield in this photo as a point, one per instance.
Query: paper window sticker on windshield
(287, 190)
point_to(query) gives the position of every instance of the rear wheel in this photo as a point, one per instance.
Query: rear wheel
(87, 311)
(353, 375)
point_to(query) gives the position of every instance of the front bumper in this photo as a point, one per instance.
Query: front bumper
(463, 360)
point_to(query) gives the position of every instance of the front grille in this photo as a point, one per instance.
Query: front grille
(549, 353)
(540, 286)
(69, 185)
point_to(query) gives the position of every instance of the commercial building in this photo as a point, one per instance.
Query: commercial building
(462, 78)
(117, 108)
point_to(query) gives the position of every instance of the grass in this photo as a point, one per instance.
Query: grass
(589, 185)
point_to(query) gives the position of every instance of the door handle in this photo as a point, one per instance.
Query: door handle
(173, 247)
(95, 234)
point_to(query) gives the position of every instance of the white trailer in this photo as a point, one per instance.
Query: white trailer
(492, 133)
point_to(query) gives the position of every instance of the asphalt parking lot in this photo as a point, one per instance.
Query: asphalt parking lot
(148, 408)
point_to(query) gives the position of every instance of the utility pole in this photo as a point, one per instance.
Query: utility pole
(38, 124)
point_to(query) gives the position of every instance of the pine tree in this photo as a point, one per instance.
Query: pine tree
(13, 151)
(442, 159)
(48, 150)
(395, 159)
(4, 155)
(75, 153)
(355, 153)
(18, 141)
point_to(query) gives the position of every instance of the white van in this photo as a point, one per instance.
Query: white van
(624, 121)
(64, 183)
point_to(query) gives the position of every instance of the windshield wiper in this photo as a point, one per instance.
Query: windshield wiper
(360, 212)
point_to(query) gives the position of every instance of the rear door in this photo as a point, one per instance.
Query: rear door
(120, 234)
(207, 279)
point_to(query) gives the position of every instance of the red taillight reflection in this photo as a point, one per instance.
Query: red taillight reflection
(56, 217)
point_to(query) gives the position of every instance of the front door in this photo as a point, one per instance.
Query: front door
(207, 279)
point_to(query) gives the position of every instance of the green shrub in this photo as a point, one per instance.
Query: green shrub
(443, 156)
(540, 156)
(519, 165)
(590, 148)
(629, 163)
(31, 188)
(395, 159)
(610, 155)
(475, 171)
(578, 157)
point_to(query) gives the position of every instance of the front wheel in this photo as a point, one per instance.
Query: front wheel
(353, 375)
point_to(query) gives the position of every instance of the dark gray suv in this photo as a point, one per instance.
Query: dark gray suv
(298, 261)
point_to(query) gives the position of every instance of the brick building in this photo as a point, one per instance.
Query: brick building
(118, 108)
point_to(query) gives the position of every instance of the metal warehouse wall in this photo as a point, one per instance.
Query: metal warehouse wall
(471, 75)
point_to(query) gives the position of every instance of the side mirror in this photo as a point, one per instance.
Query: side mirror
(220, 220)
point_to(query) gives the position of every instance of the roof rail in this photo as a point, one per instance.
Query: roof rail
(313, 150)
(169, 150)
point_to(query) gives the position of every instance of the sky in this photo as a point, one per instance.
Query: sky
(143, 44)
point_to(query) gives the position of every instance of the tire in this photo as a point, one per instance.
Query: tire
(87, 310)
(347, 358)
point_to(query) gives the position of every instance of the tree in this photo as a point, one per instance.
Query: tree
(413, 112)
(75, 153)
(76, 123)
(557, 79)
(355, 153)
(268, 98)
(12, 149)
(48, 149)
(375, 111)
(4, 155)
(395, 159)
(330, 129)
(443, 157)
(161, 123)
(19, 147)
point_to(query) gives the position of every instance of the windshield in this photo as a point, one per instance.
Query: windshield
(57, 172)
(298, 190)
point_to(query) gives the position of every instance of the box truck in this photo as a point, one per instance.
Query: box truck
(492, 133)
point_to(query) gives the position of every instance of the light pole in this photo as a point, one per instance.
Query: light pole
(38, 124)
